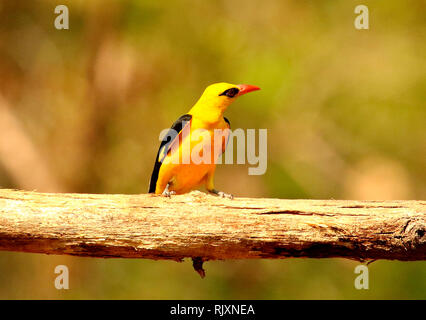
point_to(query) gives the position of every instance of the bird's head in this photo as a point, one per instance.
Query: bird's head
(219, 96)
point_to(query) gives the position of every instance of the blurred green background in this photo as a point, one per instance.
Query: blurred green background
(81, 110)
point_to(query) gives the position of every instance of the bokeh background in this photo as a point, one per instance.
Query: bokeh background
(81, 111)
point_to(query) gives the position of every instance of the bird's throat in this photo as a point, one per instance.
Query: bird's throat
(208, 112)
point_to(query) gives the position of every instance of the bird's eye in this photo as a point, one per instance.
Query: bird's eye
(230, 93)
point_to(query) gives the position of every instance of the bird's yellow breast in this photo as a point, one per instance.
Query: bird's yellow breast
(187, 166)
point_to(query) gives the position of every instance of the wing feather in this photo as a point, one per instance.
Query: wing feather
(227, 137)
(171, 137)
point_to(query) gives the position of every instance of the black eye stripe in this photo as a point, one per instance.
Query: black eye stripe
(230, 93)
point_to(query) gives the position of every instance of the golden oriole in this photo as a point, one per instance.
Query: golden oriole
(173, 175)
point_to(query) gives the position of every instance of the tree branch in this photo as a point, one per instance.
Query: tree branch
(205, 227)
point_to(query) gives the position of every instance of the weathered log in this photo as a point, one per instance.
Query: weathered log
(205, 227)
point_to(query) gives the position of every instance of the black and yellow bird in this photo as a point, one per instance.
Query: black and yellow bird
(172, 175)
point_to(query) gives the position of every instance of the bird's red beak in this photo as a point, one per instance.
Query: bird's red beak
(246, 88)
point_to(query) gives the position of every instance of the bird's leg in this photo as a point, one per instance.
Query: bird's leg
(167, 193)
(221, 194)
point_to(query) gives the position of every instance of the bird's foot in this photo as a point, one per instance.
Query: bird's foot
(225, 195)
(168, 194)
(221, 194)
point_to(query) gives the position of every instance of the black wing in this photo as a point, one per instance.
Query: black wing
(165, 144)
(227, 121)
(227, 139)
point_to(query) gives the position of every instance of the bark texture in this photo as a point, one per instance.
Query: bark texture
(205, 227)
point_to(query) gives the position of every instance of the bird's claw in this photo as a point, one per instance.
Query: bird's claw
(168, 194)
(225, 195)
(221, 194)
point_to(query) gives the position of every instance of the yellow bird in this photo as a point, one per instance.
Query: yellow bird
(177, 167)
